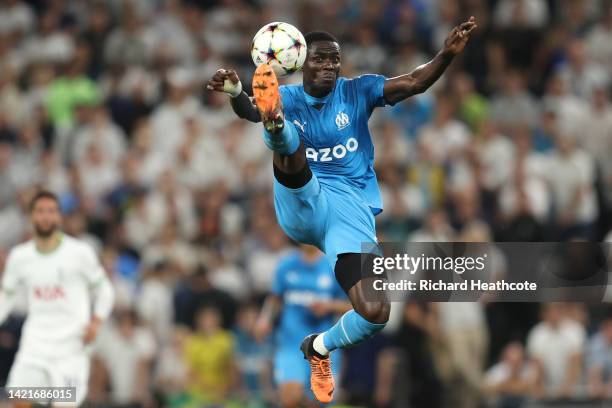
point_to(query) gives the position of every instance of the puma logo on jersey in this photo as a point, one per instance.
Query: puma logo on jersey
(342, 120)
(49, 293)
(300, 125)
(327, 154)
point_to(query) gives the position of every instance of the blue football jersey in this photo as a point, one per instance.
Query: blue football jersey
(299, 284)
(338, 144)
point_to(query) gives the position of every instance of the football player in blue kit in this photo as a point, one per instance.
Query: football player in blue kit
(307, 299)
(325, 189)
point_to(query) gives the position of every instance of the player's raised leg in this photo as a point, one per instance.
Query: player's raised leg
(368, 317)
(279, 135)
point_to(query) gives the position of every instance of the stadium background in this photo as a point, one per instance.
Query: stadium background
(103, 102)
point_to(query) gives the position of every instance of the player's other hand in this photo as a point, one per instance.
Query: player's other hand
(92, 329)
(320, 309)
(223, 80)
(262, 328)
(459, 36)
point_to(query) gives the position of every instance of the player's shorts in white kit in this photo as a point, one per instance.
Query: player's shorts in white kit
(65, 372)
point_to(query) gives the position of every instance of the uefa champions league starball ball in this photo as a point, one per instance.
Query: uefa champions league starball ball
(281, 45)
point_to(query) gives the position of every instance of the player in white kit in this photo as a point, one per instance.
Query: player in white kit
(69, 296)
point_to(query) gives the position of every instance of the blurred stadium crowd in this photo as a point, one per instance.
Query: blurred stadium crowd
(103, 102)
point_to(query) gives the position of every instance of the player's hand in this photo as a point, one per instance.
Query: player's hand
(92, 329)
(319, 309)
(459, 36)
(225, 80)
(262, 329)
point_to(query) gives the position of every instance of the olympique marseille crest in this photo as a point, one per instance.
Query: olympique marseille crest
(342, 120)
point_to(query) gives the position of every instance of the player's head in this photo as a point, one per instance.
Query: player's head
(310, 252)
(45, 213)
(322, 65)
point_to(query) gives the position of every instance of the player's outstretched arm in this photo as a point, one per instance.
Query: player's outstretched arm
(8, 285)
(7, 301)
(418, 81)
(104, 296)
(265, 320)
(226, 80)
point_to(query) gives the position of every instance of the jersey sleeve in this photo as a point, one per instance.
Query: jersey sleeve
(92, 268)
(370, 88)
(10, 277)
(278, 283)
(286, 99)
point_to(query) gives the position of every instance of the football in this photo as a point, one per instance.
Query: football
(281, 45)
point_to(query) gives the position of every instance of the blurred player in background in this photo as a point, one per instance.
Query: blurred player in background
(61, 275)
(308, 299)
(325, 189)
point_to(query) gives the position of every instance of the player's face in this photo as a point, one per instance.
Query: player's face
(322, 67)
(45, 217)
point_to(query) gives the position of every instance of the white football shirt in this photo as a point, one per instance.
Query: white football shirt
(58, 285)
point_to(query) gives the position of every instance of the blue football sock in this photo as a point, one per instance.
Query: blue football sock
(286, 141)
(351, 329)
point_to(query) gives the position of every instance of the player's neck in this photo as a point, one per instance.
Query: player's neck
(310, 258)
(46, 245)
(316, 93)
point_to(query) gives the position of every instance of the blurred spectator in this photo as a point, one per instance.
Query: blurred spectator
(521, 13)
(581, 74)
(473, 108)
(556, 345)
(126, 350)
(599, 362)
(567, 108)
(97, 173)
(513, 105)
(435, 229)
(412, 114)
(197, 291)
(597, 41)
(68, 91)
(49, 44)
(428, 175)
(100, 130)
(172, 201)
(496, 155)
(407, 204)
(13, 221)
(392, 147)
(17, 16)
(7, 178)
(263, 261)
(508, 383)
(446, 136)
(366, 54)
(171, 371)
(168, 246)
(209, 354)
(171, 120)
(154, 305)
(228, 276)
(129, 44)
(524, 201)
(416, 341)
(252, 357)
(597, 140)
(571, 174)
(465, 335)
